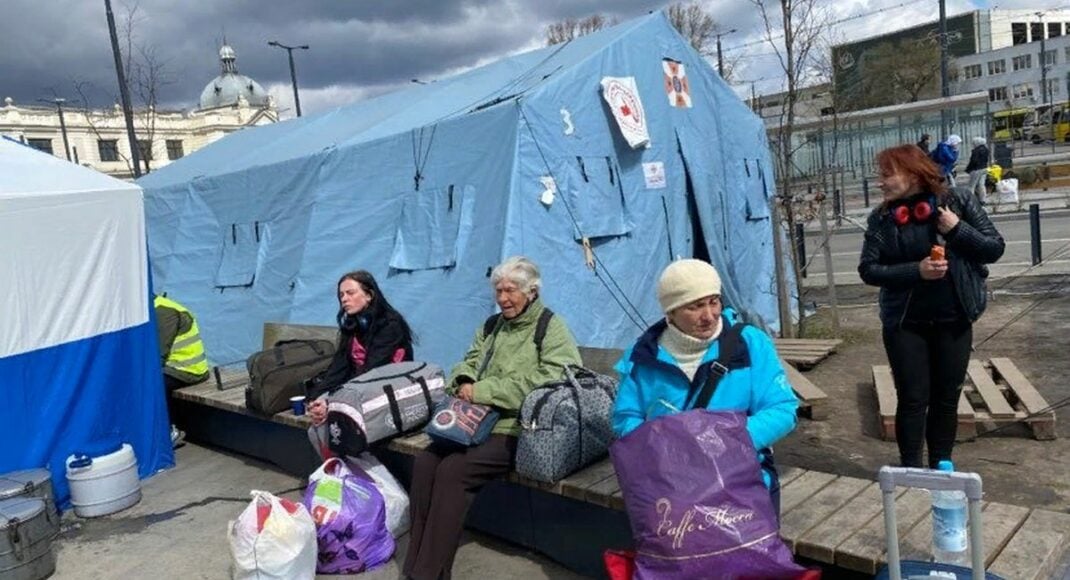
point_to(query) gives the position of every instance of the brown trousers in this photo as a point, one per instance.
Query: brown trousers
(441, 477)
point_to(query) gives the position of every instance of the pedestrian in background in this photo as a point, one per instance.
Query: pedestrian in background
(926, 247)
(945, 156)
(923, 143)
(977, 168)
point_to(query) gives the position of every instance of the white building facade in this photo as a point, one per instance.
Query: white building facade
(97, 138)
(1014, 77)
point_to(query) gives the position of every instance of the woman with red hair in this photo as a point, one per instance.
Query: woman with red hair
(926, 247)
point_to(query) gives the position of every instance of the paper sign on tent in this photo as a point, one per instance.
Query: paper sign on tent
(676, 85)
(622, 96)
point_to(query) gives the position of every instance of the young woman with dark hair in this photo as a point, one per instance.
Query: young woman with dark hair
(926, 247)
(371, 334)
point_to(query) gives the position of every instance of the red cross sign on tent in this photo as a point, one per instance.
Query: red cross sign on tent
(622, 96)
(676, 85)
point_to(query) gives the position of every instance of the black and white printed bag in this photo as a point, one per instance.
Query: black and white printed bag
(565, 425)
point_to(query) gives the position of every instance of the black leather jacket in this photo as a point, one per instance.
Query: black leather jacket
(972, 244)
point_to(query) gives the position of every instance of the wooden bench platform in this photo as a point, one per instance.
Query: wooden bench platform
(838, 520)
(995, 392)
(828, 518)
(806, 353)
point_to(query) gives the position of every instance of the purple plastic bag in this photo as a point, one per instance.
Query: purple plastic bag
(694, 495)
(350, 516)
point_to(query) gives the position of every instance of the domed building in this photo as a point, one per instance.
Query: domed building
(97, 137)
(230, 87)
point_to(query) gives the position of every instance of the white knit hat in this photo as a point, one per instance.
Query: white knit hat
(685, 281)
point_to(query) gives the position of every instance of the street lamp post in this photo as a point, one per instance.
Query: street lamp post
(124, 92)
(58, 101)
(720, 61)
(293, 73)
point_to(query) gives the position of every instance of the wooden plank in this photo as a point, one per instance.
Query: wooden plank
(600, 360)
(787, 474)
(802, 488)
(276, 331)
(602, 492)
(864, 551)
(997, 405)
(1023, 389)
(1036, 548)
(577, 484)
(821, 541)
(1043, 426)
(998, 523)
(795, 523)
(410, 445)
(829, 343)
(802, 386)
(886, 400)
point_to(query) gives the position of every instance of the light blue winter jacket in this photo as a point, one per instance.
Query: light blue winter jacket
(652, 384)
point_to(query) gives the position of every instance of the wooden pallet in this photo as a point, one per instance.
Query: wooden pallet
(994, 393)
(812, 400)
(805, 353)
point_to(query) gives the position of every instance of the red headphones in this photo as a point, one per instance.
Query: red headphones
(920, 211)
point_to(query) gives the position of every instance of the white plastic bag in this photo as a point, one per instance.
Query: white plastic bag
(397, 501)
(273, 539)
(1007, 190)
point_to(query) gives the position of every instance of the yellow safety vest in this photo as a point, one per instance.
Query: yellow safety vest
(187, 351)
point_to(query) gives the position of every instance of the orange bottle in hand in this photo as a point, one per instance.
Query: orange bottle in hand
(937, 253)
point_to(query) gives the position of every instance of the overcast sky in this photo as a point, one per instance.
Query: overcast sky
(359, 48)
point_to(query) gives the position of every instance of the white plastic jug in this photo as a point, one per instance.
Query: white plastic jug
(103, 485)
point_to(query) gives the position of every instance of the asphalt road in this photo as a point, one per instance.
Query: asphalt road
(846, 245)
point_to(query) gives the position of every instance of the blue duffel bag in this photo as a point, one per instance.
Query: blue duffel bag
(460, 423)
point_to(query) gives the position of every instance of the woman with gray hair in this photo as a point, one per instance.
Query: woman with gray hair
(513, 352)
(978, 168)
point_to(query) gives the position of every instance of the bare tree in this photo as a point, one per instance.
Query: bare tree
(695, 24)
(570, 28)
(802, 25)
(699, 28)
(147, 74)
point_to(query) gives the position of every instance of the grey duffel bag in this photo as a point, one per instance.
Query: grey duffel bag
(381, 403)
(565, 425)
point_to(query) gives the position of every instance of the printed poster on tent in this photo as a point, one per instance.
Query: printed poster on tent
(622, 96)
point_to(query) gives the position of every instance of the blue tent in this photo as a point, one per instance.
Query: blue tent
(430, 187)
(79, 361)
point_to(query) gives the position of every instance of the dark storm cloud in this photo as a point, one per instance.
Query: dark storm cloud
(362, 44)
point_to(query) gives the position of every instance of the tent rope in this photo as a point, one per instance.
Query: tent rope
(634, 314)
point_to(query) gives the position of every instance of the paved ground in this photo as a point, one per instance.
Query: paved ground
(179, 530)
(846, 244)
(1027, 320)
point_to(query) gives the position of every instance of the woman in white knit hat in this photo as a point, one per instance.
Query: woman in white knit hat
(700, 341)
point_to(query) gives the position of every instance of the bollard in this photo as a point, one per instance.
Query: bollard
(837, 206)
(800, 248)
(1034, 231)
(865, 190)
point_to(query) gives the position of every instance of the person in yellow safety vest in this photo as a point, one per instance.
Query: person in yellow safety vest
(182, 354)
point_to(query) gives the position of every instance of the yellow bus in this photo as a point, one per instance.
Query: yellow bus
(1010, 123)
(1052, 124)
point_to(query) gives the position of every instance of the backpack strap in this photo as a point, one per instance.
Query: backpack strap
(489, 324)
(540, 330)
(729, 342)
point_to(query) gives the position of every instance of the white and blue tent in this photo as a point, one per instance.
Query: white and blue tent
(430, 187)
(79, 359)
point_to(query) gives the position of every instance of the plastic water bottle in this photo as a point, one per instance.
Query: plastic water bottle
(949, 524)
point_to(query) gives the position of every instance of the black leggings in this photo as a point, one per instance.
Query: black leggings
(928, 364)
